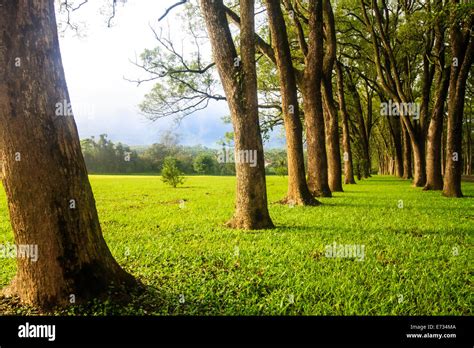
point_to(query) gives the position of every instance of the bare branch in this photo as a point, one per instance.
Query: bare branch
(114, 2)
(182, 2)
(79, 6)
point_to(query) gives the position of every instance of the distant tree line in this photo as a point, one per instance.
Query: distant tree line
(103, 156)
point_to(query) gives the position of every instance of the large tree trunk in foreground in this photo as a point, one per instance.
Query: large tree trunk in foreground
(239, 79)
(50, 200)
(313, 106)
(298, 192)
(346, 137)
(462, 46)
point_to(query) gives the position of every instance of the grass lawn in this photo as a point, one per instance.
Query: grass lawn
(417, 259)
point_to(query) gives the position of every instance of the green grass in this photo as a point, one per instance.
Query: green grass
(422, 251)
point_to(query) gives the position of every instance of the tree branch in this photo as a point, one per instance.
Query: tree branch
(170, 8)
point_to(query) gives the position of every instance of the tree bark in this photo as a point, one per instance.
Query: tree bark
(346, 137)
(419, 167)
(50, 200)
(239, 79)
(434, 179)
(468, 170)
(298, 192)
(330, 111)
(407, 165)
(462, 47)
(313, 108)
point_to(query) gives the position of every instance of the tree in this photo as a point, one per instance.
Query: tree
(41, 151)
(104, 156)
(354, 53)
(362, 126)
(298, 192)
(187, 84)
(462, 52)
(313, 104)
(309, 82)
(204, 164)
(394, 75)
(170, 173)
(468, 112)
(239, 79)
(434, 178)
(330, 109)
(346, 138)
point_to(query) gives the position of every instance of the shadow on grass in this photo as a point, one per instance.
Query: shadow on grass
(145, 300)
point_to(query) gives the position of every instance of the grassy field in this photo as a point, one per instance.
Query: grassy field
(417, 261)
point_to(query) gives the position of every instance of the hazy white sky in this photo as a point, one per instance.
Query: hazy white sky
(96, 64)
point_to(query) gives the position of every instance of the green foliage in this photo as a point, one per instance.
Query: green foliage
(275, 162)
(170, 174)
(103, 156)
(281, 171)
(204, 164)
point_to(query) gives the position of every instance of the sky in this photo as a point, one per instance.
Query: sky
(97, 61)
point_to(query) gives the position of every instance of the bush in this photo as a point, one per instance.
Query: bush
(170, 173)
(204, 164)
(281, 171)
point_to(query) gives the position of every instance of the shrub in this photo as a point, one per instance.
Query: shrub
(170, 172)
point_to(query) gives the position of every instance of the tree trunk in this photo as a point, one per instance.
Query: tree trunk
(362, 129)
(298, 192)
(330, 111)
(419, 167)
(394, 127)
(49, 197)
(239, 79)
(416, 140)
(313, 108)
(462, 46)
(368, 167)
(333, 150)
(315, 131)
(346, 138)
(407, 171)
(469, 141)
(392, 83)
(421, 126)
(434, 179)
